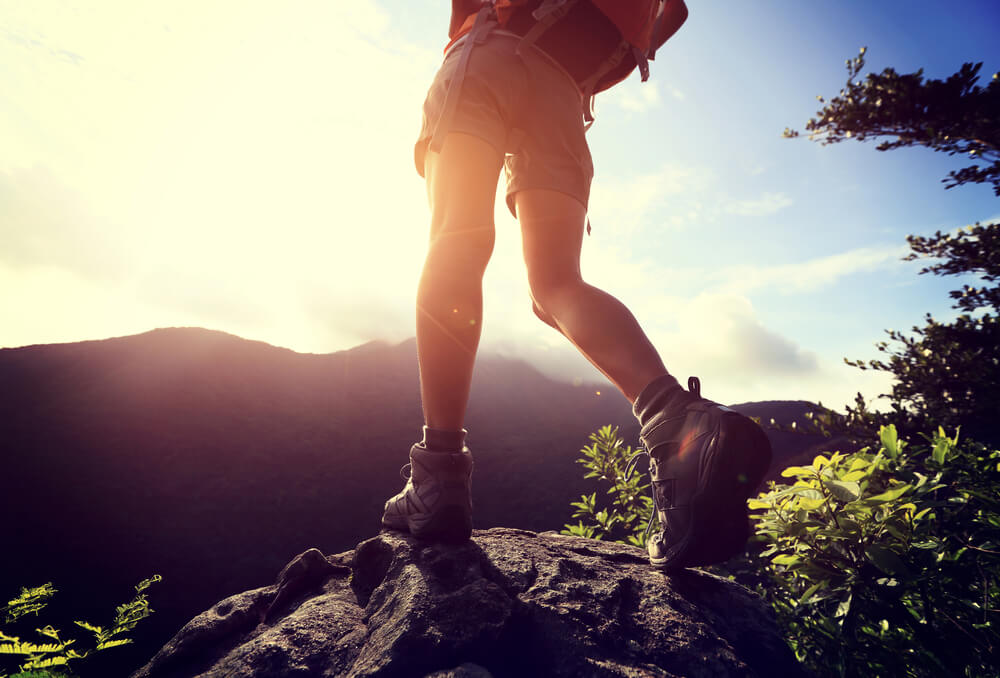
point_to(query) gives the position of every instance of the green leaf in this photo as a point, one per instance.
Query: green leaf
(845, 491)
(940, 451)
(843, 608)
(854, 476)
(809, 503)
(859, 463)
(796, 471)
(891, 494)
(806, 597)
(786, 559)
(890, 440)
(886, 560)
(96, 630)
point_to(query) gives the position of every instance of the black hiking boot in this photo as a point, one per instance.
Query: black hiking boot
(436, 502)
(705, 461)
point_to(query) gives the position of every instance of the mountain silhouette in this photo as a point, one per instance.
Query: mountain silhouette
(211, 459)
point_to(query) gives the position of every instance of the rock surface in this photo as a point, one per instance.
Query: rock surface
(507, 603)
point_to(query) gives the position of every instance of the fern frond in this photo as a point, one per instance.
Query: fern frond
(96, 630)
(49, 632)
(29, 601)
(146, 583)
(27, 648)
(45, 663)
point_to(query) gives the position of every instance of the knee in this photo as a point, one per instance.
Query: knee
(543, 316)
(550, 291)
(460, 251)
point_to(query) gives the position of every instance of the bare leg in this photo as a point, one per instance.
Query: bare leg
(461, 189)
(599, 325)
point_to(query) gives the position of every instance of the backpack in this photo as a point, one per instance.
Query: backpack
(645, 25)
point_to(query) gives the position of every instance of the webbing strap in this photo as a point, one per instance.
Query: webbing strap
(661, 13)
(547, 13)
(642, 62)
(588, 85)
(485, 22)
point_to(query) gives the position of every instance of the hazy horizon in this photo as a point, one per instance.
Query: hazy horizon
(249, 169)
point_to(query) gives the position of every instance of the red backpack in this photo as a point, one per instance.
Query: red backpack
(643, 24)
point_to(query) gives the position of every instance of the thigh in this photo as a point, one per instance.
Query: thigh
(482, 100)
(461, 189)
(552, 152)
(552, 225)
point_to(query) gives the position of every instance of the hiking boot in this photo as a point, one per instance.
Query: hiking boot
(705, 461)
(436, 502)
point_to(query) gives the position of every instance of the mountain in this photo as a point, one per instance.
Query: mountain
(210, 460)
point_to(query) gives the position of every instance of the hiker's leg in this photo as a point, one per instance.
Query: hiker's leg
(461, 189)
(599, 325)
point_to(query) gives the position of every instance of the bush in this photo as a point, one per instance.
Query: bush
(622, 514)
(885, 561)
(888, 562)
(52, 656)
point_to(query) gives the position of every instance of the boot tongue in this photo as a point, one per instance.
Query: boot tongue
(655, 398)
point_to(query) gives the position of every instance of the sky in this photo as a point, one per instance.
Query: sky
(248, 167)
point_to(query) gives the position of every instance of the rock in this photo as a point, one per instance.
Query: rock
(507, 603)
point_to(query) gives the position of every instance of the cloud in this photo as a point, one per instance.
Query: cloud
(722, 333)
(218, 176)
(718, 337)
(45, 222)
(767, 203)
(810, 275)
(671, 196)
(638, 99)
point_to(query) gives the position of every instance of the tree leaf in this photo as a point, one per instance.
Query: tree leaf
(940, 451)
(845, 491)
(890, 440)
(891, 494)
(886, 560)
(796, 471)
(786, 559)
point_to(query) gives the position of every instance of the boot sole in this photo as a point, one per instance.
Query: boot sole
(720, 524)
(450, 524)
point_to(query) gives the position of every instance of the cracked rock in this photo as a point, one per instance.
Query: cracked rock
(507, 603)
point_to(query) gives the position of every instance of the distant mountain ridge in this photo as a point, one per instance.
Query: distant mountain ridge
(212, 459)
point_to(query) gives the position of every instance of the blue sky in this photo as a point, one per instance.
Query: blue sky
(248, 167)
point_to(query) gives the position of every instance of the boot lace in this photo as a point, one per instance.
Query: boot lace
(694, 387)
(629, 468)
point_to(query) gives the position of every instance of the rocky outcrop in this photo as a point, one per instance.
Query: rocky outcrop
(507, 603)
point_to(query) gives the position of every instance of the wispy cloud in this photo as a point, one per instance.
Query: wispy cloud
(810, 275)
(767, 203)
(670, 196)
(639, 99)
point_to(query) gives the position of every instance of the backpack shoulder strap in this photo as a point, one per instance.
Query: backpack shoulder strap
(546, 14)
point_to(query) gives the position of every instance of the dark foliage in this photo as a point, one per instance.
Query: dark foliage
(948, 374)
(954, 116)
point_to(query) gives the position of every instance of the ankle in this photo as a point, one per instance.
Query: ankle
(438, 440)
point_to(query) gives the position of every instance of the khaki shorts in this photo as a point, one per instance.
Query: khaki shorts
(526, 106)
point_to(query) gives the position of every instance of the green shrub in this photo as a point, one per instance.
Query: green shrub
(622, 512)
(51, 656)
(882, 562)
(887, 562)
